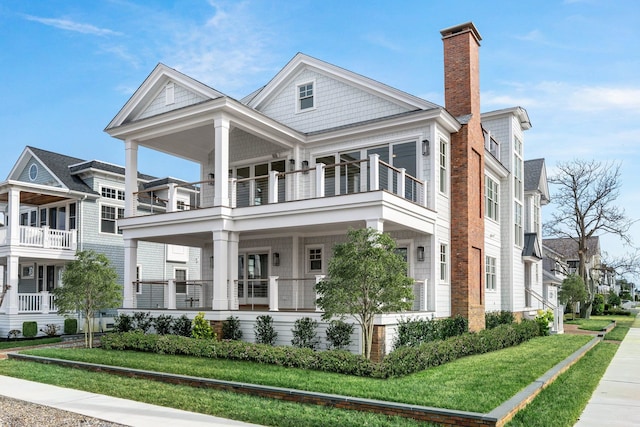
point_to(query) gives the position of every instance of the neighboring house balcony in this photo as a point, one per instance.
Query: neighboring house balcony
(41, 237)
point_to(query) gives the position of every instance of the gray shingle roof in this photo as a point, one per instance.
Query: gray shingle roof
(532, 173)
(58, 164)
(569, 247)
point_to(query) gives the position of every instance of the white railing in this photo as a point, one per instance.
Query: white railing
(44, 237)
(42, 302)
(320, 181)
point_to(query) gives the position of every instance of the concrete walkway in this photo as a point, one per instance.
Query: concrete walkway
(616, 400)
(113, 409)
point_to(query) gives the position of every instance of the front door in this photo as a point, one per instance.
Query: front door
(253, 279)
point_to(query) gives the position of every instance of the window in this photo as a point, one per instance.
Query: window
(181, 205)
(490, 271)
(536, 214)
(314, 262)
(444, 265)
(108, 219)
(517, 170)
(138, 278)
(33, 172)
(72, 216)
(181, 280)
(112, 193)
(305, 96)
(443, 166)
(517, 223)
(491, 198)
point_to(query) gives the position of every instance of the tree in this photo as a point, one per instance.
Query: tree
(366, 277)
(88, 285)
(584, 207)
(572, 291)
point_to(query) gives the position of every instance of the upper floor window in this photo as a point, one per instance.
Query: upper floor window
(305, 96)
(443, 166)
(517, 223)
(491, 198)
(33, 172)
(112, 193)
(444, 263)
(109, 216)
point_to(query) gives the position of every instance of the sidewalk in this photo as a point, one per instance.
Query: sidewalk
(616, 400)
(127, 412)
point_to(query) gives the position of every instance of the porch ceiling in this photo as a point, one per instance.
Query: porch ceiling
(37, 199)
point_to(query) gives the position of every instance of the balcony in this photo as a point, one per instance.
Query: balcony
(42, 237)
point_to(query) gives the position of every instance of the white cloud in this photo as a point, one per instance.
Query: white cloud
(68, 25)
(382, 41)
(594, 99)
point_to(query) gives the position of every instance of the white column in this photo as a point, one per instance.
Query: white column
(11, 298)
(170, 295)
(273, 293)
(374, 172)
(401, 182)
(221, 134)
(220, 274)
(44, 306)
(273, 187)
(172, 204)
(14, 216)
(130, 178)
(130, 263)
(232, 263)
(320, 179)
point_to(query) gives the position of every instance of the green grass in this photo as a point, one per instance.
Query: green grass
(222, 404)
(479, 383)
(562, 402)
(28, 343)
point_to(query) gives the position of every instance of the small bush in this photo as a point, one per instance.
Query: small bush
(70, 326)
(142, 321)
(543, 319)
(202, 328)
(231, 329)
(50, 330)
(182, 326)
(413, 332)
(162, 324)
(493, 319)
(597, 309)
(613, 299)
(304, 333)
(339, 334)
(29, 329)
(123, 323)
(617, 312)
(264, 332)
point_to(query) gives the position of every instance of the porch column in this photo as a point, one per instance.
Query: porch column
(220, 274)
(172, 192)
(320, 179)
(374, 172)
(130, 263)
(170, 295)
(273, 187)
(11, 298)
(273, 293)
(232, 262)
(130, 178)
(44, 305)
(375, 223)
(401, 182)
(221, 166)
(14, 217)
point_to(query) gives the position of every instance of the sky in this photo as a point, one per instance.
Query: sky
(574, 65)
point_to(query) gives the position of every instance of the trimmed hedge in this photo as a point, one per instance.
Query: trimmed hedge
(70, 326)
(29, 329)
(403, 361)
(413, 332)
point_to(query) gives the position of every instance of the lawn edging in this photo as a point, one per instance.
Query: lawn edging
(495, 418)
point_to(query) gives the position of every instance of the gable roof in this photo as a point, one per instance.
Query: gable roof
(58, 165)
(535, 178)
(569, 247)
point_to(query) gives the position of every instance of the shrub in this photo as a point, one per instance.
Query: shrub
(231, 329)
(613, 299)
(304, 333)
(70, 326)
(542, 319)
(413, 332)
(493, 319)
(597, 308)
(50, 329)
(162, 324)
(13, 333)
(618, 312)
(264, 332)
(202, 328)
(142, 321)
(123, 323)
(182, 326)
(339, 334)
(29, 329)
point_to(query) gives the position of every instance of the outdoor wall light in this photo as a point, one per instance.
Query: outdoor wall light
(211, 261)
(420, 253)
(211, 178)
(305, 164)
(292, 164)
(276, 259)
(425, 147)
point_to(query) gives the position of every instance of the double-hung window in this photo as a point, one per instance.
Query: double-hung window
(490, 272)
(444, 263)
(314, 259)
(305, 96)
(443, 166)
(109, 216)
(491, 198)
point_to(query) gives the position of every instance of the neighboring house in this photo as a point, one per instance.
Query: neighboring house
(287, 170)
(568, 248)
(53, 205)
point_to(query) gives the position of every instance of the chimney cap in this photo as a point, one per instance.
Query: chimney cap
(461, 28)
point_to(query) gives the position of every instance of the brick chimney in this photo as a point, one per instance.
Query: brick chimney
(462, 100)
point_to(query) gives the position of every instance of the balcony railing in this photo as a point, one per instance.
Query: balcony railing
(42, 237)
(42, 302)
(321, 181)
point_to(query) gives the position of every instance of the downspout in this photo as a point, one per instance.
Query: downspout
(81, 218)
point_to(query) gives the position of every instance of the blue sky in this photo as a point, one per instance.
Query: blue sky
(574, 65)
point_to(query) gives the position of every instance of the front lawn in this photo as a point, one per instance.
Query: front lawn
(478, 383)
(27, 343)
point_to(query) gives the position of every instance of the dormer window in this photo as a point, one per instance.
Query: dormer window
(305, 96)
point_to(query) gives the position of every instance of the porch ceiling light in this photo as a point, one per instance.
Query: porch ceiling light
(420, 253)
(276, 259)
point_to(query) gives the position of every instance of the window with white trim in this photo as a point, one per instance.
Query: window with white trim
(490, 272)
(491, 198)
(517, 224)
(180, 275)
(314, 259)
(138, 279)
(443, 166)
(518, 166)
(112, 193)
(109, 216)
(444, 263)
(305, 96)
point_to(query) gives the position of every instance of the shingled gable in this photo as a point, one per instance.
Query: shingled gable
(535, 178)
(153, 88)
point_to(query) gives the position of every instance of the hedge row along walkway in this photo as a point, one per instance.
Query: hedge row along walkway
(497, 417)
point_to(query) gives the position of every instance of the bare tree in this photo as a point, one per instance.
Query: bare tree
(586, 192)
